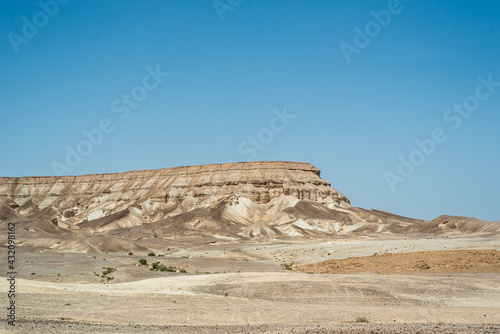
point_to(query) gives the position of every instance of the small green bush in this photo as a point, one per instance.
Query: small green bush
(155, 265)
(151, 254)
(107, 270)
(130, 253)
(161, 267)
(143, 262)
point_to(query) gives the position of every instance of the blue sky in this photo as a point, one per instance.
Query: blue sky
(228, 78)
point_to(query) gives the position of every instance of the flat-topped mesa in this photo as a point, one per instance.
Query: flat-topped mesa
(109, 193)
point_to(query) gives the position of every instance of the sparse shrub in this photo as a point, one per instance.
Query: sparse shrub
(169, 268)
(226, 294)
(104, 276)
(108, 270)
(151, 254)
(161, 267)
(361, 320)
(183, 271)
(130, 253)
(143, 262)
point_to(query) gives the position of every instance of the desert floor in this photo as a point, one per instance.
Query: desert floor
(230, 287)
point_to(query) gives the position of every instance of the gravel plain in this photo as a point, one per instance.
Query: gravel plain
(63, 327)
(242, 288)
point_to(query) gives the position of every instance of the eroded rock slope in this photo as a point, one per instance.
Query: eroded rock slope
(139, 209)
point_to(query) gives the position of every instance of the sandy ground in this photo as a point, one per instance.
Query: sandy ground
(446, 262)
(231, 284)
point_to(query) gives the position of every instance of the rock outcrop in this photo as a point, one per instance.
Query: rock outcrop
(149, 194)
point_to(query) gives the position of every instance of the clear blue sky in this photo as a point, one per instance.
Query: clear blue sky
(351, 119)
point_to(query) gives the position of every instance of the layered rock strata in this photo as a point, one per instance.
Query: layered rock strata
(150, 194)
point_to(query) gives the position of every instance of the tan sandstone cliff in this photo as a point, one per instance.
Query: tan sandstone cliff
(74, 199)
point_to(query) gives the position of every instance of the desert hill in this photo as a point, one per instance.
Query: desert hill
(205, 204)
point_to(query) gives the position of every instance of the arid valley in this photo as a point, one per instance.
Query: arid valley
(257, 247)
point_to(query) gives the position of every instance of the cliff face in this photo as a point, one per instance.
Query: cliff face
(150, 195)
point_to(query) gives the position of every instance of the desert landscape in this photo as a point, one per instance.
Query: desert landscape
(255, 247)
